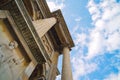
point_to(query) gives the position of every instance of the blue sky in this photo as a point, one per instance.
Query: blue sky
(95, 29)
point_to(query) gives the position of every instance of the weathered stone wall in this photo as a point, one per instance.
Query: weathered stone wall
(12, 63)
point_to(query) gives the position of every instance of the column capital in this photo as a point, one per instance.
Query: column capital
(64, 47)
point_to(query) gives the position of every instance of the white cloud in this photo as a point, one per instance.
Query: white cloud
(81, 68)
(78, 19)
(58, 77)
(96, 44)
(75, 29)
(55, 5)
(80, 39)
(113, 76)
(113, 42)
(106, 34)
(104, 37)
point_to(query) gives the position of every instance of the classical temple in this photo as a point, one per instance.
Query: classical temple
(31, 40)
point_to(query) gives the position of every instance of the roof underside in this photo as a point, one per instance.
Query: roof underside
(62, 30)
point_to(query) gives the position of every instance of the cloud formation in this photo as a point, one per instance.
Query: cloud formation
(106, 34)
(81, 68)
(113, 76)
(101, 39)
(55, 4)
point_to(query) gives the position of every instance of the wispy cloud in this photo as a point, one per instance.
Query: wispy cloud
(54, 4)
(113, 76)
(81, 67)
(76, 27)
(106, 34)
(81, 39)
(78, 19)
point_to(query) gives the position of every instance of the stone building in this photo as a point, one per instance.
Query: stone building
(31, 40)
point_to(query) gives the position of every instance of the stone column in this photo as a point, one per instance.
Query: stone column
(54, 58)
(66, 68)
(53, 70)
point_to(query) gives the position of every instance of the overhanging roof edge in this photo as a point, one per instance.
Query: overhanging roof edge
(61, 20)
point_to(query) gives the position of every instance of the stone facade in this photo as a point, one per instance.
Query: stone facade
(31, 40)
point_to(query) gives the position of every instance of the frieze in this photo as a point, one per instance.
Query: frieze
(47, 45)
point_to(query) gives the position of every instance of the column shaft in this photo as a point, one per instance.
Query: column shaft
(66, 69)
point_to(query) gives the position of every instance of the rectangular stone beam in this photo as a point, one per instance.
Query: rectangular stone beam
(42, 26)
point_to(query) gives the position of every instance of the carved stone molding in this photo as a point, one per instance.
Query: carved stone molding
(13, 44)
(47, 45)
